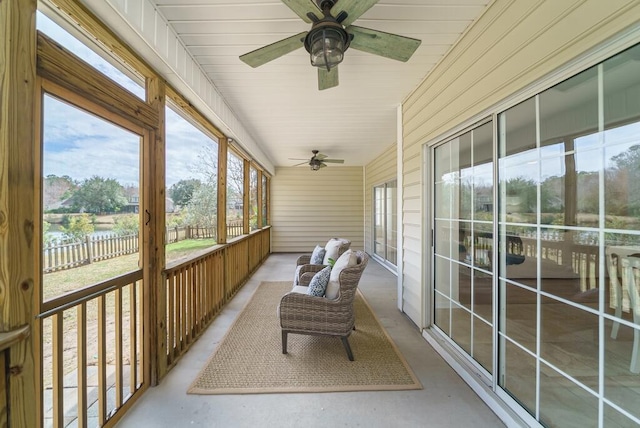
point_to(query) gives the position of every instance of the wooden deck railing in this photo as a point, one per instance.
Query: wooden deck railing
(92, 352)
(93, 345)
(199, 288)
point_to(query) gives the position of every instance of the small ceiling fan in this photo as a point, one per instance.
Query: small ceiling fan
(330, 35)
(317, 161)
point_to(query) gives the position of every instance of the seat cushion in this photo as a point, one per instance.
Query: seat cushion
(347, 259)
(317, 257)
(301, 289)
(319, 282)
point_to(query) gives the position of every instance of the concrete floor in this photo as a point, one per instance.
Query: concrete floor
(445, 401)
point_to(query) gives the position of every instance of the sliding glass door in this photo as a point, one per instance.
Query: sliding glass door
(463, 243)
(537, 283)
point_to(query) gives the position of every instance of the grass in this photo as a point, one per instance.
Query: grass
(183, 248)
(59, 283)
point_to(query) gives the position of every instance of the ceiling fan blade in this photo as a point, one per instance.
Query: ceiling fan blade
(354, 9)
(303, 7)
(320, 156)
(384, 44)
(333, 160)
(327, 79)
(275, 50)
(322, 165)
(301, 163)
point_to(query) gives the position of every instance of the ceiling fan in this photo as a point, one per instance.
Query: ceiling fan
(330, 35)
(317, 161)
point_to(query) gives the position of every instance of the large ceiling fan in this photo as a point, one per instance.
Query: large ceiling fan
(317, 161)
(330, 35)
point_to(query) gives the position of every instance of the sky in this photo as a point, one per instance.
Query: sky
(81, 145)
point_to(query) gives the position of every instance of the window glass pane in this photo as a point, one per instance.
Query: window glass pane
(461, 327)
(622, 176)
(559, 394)
(464, 176)
(569, 108)
(519, 317)
(567, 331)
(442, 313)
(91, 190)
(235, 195)
(482, 176)
(483, 343)
(91, 57)
(620, 386)
(518, 375)
(621, 82)
(192, 188)
(518, 129)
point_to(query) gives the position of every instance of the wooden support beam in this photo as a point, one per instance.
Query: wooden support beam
(246, 196)
(61, 67)
(223, 147)
(156, 98)
(17, 217)
(260, 196)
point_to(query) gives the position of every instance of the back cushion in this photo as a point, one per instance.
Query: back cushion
(334, 248)
(347, 259)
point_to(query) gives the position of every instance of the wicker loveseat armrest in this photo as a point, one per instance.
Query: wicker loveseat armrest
(304, 259)
(306, 272)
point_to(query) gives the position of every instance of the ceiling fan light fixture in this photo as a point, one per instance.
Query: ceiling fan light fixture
(327, 45)
(315, 164)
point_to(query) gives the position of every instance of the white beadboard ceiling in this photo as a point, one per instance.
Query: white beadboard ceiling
(279, 103)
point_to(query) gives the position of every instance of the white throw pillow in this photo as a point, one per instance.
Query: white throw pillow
(347, 259)
(332, 249)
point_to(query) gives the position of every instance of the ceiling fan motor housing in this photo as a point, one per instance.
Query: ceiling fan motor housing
(327, 40)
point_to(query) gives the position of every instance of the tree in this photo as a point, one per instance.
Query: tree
(99, 195)
(622, 195)
(126, 225)
(182, 191)
(56, 189)
(79, 228)
(203, 207)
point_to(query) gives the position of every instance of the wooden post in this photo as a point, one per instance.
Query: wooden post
(156, 201)
(223, 146)
(87, 242)
(18, 243)
(260, 196)
(246, 196)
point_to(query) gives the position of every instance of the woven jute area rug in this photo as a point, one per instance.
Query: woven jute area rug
(249, 359)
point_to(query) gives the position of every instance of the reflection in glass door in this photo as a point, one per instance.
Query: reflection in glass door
(463, 242)
(569, 221)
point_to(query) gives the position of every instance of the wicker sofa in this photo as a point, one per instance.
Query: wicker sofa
(303, 314)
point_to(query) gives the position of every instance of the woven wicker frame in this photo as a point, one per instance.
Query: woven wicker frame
(304, 314)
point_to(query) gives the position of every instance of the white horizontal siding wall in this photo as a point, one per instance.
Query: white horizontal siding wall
(310, 207)
(512, 45)
(382, 169)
